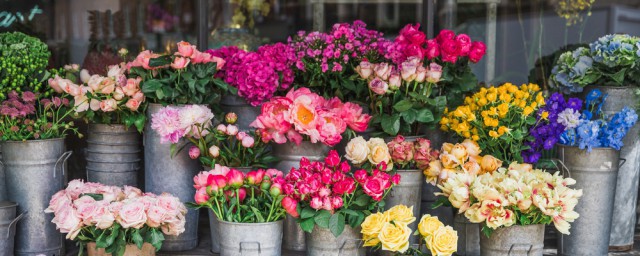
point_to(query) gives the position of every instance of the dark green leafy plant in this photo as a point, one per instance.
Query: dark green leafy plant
(23, 62)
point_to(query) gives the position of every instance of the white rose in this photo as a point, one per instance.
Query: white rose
(357, 150)
(379, 152)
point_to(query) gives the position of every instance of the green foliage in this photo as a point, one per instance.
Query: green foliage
(23, 62)
(115, 239)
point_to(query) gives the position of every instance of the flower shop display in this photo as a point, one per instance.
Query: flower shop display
(94, 215)
(23, 63)
(113, 105)
(328, 198)
(248, 208)
(186, 76)
(389, 231)
(410, 93)
(498, 119)
(518, 198)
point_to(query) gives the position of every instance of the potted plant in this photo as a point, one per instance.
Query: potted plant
(186, 76)
(590, 138)
(248, 208)
(113, 105)
(513, 205)
(610, 65)
(389, 231)
(109, 220)
(330, 201)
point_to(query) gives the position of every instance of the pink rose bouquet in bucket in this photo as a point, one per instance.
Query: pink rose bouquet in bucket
(92, 212)
(304, 113)
(330, 194)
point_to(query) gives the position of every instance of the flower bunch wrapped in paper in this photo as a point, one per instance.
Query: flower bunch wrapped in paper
(389, 231)
(319, 193)
(92, 212)
(519, 195)
(304, 113)
(498, 118)
(459, 158)
(254, 197)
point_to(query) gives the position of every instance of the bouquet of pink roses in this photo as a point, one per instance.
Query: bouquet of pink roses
(319, 193)
(92, 212)
(302, 112)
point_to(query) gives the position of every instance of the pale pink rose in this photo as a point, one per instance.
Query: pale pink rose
(115, 71)
(383, 70)
(132, 192)
(108, 105)
(248, 142)
(94, 104)
(84, 76)
(132, 214)
(409, 68)
(95, 81)
(118, 94)
(144, 57)
(53, 83)
(200, 57)
(171, 204)
(85, 207)
(421, 74)
(115, 207)
(75, 188)
(378, 86)
(180, 63)
(434, 73)
(394, 82)
(173, 226)
(139, 96)
(220, 170)
(185, 49)
(110, 193)
(103, 217)
(132, 104)
(107, 86)
(232, 130)
(58, 200)
(69, 87)
(132, 86)
(219, 61)
(365, 69)
(155, 215)
(67, 221)
(81, 103)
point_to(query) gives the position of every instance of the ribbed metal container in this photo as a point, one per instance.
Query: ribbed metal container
(113, 155)
(321, 242)
(290, 155)
(240, 239)
(407, 193)
(3, 185)
(35, 170)
(468, 236)
(8, 222)
(174, 175)
(596, 174)
(624, 207)
(514, 241)
(246, 113)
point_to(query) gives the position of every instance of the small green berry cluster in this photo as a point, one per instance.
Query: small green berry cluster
(23, 62)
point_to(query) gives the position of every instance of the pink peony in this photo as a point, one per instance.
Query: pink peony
(201, 196)
(166, 123)
(248, 142)
(194, 152)
(132, 214)
(352, 114)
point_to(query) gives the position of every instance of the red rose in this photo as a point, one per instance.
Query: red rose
(464, 44)
(333, 159)
(433, 49)
(290, 205)
(449, 51)
(445, 35)
(411, 34)
(478, 50)
(413, 50)
(346, 186)
(374, 187)
(395, 179)
(361, 176)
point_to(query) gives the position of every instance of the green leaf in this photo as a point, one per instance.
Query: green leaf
(307, 213)
(403, 105)
(409, 116)
(151, 86)
(391, 124)
(137, 238)
(487, 231)
(156, 238)
(336, 224)
(618, 77)
(307, 225)
(322, 218)
(362, 200)
(425, 116)
(97, 197)
(160, 94)
(160, 61)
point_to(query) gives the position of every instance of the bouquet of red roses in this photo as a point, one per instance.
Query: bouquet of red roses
(319, 193)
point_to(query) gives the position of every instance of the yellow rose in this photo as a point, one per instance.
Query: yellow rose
(472, 147)
(490, 163)
(400, 214)
(394, 238)
(432, 172)
(357, 150)
(460, 152)
(428, 225)
(446, 147)
(472, 167)
(449, 161)
(370, 240)
(373, 224)
(444, 241)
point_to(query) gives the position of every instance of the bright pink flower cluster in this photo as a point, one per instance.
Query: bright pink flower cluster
(77, 207)
(172, 124)
(447, 46)
(228, 182)
(302, 112)
(334, 51)
(325, 185)
(186, 54)
(416, 153)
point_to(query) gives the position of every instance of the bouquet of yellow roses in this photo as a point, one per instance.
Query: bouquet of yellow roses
(498, 118)
(389, 231)
(460, 158)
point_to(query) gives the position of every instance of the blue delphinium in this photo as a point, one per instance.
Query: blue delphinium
(617, 128)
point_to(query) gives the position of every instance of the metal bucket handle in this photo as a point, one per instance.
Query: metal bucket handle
(14, 222)
(358, 243)
(530, 246)
(258, 243)
(557, 161)
(622, 161)
(62, 159)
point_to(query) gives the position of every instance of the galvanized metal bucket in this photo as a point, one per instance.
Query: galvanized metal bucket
(3, 185)
(246, 113)
(408, 193)
(625, 203)
(468, 236)
(173, 175)
(35, 170)
(596, 174)
(514, 241)
(113, 155)
(243, 239)
(290, 155)
(321, 242)
(8, 222)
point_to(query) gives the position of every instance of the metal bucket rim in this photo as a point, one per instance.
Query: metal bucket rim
(631, 86)
(32, 141)
(406, 138)
(120, 127)
(7, 204)
(408, 170)
(248, 224)
(594, 148)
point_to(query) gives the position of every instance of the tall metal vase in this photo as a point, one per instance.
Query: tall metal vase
(408, 193)
(514, 241)
(596, 173)
(321, 242)
(174, 175)
(3, 185)
(468, 236)
(246, 113)
(624, 209)
(35, 170)
(290, 155)
(113, 155)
